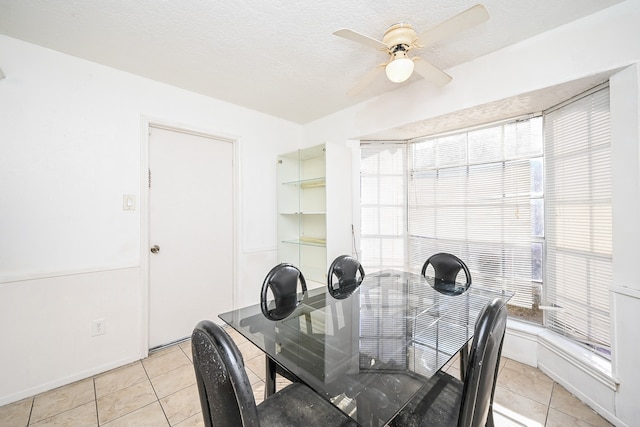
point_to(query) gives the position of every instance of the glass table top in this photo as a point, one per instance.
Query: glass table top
(369, 353)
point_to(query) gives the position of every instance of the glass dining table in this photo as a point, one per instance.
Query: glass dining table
(370, 351)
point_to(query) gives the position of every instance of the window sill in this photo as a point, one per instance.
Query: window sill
(584, 360)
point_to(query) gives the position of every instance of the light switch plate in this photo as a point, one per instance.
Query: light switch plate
(129, 202)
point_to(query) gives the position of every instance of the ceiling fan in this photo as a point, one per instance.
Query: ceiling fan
(399, 39)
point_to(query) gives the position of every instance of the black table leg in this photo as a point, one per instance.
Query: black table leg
(270, 377)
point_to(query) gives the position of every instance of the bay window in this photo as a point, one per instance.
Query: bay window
(525, 203)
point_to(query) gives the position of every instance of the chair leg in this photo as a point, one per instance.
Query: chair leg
(270, 377)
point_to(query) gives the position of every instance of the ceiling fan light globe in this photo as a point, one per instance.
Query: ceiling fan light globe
(399, 69)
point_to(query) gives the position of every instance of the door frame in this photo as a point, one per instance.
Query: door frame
(146, 123)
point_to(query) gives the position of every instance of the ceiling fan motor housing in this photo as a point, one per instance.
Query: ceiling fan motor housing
(399, 37)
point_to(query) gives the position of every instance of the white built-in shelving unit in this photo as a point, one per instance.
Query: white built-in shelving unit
(314, 208)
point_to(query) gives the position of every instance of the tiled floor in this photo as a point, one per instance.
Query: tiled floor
(161, 391)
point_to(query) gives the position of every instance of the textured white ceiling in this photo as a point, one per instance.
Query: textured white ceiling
(524, 104)
(275, 56)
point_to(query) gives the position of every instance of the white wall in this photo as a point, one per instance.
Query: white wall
(597, 44)
(70, 147)
(625, 296)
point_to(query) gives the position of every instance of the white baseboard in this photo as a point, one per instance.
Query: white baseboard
(59, 382)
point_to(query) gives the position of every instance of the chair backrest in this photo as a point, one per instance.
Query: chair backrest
(282, 281)
(345, 276)
(484, 361)
(445, 271)
(225, 393)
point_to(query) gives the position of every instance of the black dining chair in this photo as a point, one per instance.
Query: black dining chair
(226, 396)
(445, 272)
(445, 400)
(282, 280)
(345, 276)
(441, 271)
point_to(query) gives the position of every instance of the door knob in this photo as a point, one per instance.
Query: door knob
(155, 249)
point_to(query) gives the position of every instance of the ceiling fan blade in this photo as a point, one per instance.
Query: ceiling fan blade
(430, 72)
(469, 18)
(360, 38)
(366, 80)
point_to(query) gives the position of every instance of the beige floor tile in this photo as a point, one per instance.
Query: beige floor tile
(503, 361)
(164, 363)
(62, 399)
(560, 419)
(526, 381)
(193, 421)
(253, 378)
(502, 420)
(174, 380)
(515, 364)
(83, 415)
(518, 409)
(258, 392)
(120, 378)
(249, 350)
(567, 403)
(163, 351)
(186, 348)
(122, 402)
(282, 382)
(150, 415)
(181, 405)
(257, 365)
(16, 414)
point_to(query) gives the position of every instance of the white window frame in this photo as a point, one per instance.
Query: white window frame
(550, 306)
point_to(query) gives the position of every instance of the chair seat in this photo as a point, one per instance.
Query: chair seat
(298, 405)
(436, 404)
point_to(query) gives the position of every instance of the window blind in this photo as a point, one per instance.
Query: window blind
(474, 194)
(578, 269)
(383, 205)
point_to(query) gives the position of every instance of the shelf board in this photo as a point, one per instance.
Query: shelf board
(302, 213)
(309, 241)
(308, 183)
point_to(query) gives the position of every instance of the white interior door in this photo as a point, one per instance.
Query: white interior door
(191, 224)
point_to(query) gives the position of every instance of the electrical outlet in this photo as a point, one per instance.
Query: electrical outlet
(98, 327)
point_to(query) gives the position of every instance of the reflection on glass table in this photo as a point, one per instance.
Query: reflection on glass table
(371, 352)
